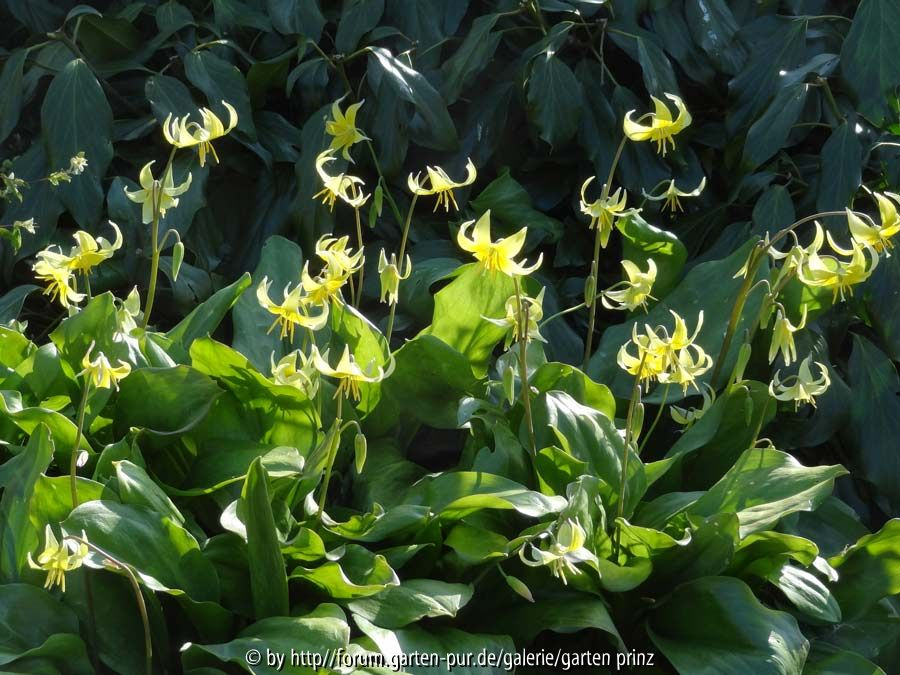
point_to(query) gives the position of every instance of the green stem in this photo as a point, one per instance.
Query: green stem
(595, 264)
(334, 444)
(87, 285)
(629, 419)
(562, 313)
(154, 243)
(362, 266)
(403, 238)
(73, 462)
(387, 191)
(522, 318)
(656, 419)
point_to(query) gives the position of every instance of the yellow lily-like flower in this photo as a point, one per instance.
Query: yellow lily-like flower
(603, 212)
(635, 292)
(89, 252)
(825, 271)
(672, 194)
(341, 186)
(662, 129)
(390, 276)
(688, 416)
(342, 128)
(802, 387)
(56, 559)
(440, 185)
(293, 310)
(185, 134)
(651, 359)
(305, 378)
(566, 549)
(495, 256)
(157, 195)
(324, 287)
(53, 269)
(510, 321)
(783, 336)
(100, 372)
(349, 373)
(337, 256)
(686, 365)
(870, 234)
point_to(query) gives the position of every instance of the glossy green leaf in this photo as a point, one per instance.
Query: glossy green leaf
(399, 606)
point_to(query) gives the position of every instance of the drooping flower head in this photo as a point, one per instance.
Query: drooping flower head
(672, 194)
(324, 288)
(294, 310)
(566, 549)
(340, 186)
(156, 195)
(633, 293)
(349, 373)
(534, 307)
(826, 271)
(305, 378)
(100, 372)
(337, 256)
(182, 133)
(390, 276)
(495, 256)
(802, 387)
(865, 232)
(53, 269)
(56, 559)
(89, 252)
(440, 184)
(783, 336)
(662, 128)
(604, 211)
(342, 128)
(688, 416)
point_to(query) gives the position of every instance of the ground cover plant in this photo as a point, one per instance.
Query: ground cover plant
(335, 333)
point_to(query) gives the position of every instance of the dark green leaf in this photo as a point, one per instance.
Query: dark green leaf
(554, 99)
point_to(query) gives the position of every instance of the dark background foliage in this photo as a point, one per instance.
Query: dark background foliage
(794, 105)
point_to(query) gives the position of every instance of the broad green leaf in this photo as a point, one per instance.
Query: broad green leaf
(297, 17)
(807, 593)
(168, 96)
(76, 117)
(354, 572)
(560, 612)
(165, 400)
(358, 17)
(869, 570)
(29, 419)
(472, 56)
(221, 81)
(268, 579)
(554, 99)
(511, 204)
(774, 211)
(11, 85)
(12, 301)
(659, 77)
(415, 599)
(729, 631)
(458, 311)
(714, 28)
(764, 486)
(165, 556)
(832, 661)
(868, 56)
(19, 535)
(136, 487)
(841, 169)
(435, 130)
(770, 132)
(563, 377)
(881, 303)
(642, 241)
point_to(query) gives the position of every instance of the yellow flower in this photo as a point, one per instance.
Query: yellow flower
(337, 256)
(686, 365)
(870, 234)
(390, 276)
(565, 550)
(349, 373)
(324, 287)
(53, 269)
(672, 194)
(100, 372)
(340, 186)
(342, 128)
(687, 416)
(633, 293)
(305, 378)
(662, 128)
(184, 134)
(440, 185)
(826, 271)
(293, 310)
(157, 195)
(604, 211)
(651, 360)
(535, 307)
(783, 337)
(89, 252)
(495, 255)
(802, 387)
(56, 559)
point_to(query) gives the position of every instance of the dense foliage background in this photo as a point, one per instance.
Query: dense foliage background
(795, 110)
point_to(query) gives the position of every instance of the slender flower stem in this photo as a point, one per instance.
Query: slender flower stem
(595, 264)
(154, 243)
(334, 444)
(87, 285)
(629, 423)
(522, 318)
(563, 312)
(656, 419)
(79, 432)
(403, 238)
(362, 266)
